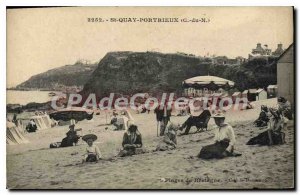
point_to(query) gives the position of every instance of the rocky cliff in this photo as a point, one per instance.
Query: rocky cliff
(58, 78)
(132, 72)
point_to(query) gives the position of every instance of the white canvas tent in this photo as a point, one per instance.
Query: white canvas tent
(42, 122)
(14, 135)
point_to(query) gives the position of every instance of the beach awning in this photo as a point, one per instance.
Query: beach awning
(252, 90)
(224, 96)
(259, 90)
(245, 92)
(14, 135)
(217, 94)
(236, 93)
(205, 80)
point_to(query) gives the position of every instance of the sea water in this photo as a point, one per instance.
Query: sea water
(25, 97)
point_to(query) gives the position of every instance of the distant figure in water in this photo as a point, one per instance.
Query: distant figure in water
(273, 135)
(169, 141)
(132, 142)
(224, 141)
(71, 137)
(263, 118)
(93, 153)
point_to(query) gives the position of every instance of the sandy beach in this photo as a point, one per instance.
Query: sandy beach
(35, 166)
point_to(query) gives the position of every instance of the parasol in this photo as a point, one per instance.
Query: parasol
(76, 113)
(208, 81)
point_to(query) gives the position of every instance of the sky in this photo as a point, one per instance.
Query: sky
(40, 39)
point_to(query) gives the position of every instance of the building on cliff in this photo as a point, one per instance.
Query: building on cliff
(265, 52)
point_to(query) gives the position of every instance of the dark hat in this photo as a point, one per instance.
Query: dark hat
(265, 108)
(89, 136)
(132, 127)
(281, 99)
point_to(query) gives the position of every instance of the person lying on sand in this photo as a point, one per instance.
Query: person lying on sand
(273, 135)
(132, 142)
(92, 151)
(169, 141)
(224, 141)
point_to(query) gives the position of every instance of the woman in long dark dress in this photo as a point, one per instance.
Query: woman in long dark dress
(132, 142)
(273, 135)
(263, 118)
(71, 137)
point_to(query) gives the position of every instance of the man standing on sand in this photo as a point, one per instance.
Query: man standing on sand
(163, 116)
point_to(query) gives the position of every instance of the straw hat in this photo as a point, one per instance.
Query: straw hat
(89, 136)
(219, 115)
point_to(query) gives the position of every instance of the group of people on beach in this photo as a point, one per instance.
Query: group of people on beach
(224, 137)
(276, 120)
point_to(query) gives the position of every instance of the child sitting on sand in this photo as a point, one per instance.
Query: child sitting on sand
(170, 138)
(92, 151)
